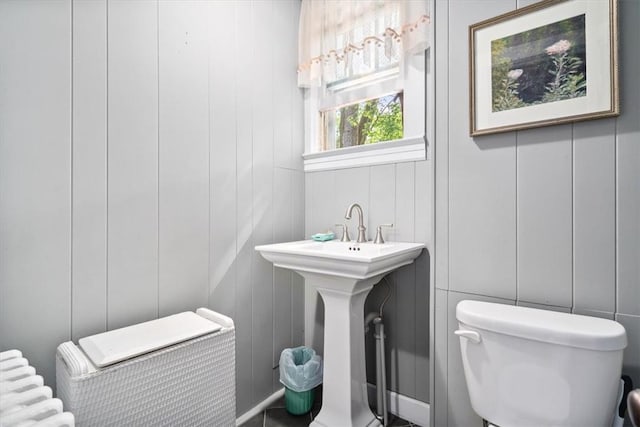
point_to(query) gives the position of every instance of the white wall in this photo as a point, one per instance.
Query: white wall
(145, 148)
(548, 217)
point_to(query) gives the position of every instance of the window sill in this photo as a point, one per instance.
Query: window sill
(401, 150)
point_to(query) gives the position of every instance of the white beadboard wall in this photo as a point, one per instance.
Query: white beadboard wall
(397, 193)
(546, 217)
(145, 148)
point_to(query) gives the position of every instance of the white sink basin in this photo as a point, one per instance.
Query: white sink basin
(342, 259)
(343, 273)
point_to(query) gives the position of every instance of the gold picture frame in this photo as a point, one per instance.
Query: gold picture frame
(552, 62)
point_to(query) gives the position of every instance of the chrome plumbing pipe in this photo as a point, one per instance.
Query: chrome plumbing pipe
(381, 372)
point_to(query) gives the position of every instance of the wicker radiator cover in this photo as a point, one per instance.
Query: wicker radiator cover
(187, 384)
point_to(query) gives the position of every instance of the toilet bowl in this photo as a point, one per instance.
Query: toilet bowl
(529, 367)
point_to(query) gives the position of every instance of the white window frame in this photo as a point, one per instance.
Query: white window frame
(418, 88)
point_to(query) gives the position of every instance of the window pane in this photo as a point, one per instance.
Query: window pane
(365, 122)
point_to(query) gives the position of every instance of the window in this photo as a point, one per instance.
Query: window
(363, 66)
(363, 122)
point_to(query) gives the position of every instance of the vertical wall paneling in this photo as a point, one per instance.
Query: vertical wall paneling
(263, 146)
(308, 204)
(297, 282)
(628, 163)
(405, 202)
(244, 213)
(222, 170)
(382, 201)
(89, 254)
(421, 333)
(544, 216)
(441, 151)
(297, 96)
(440, 154)
(439, 400)
(404, 337)
(324, 211)
(137, 172)
(282, 232)
(183, 156)
(482, 175)
(594, 265)
(133, 162)
(35, 179)
(284, 65)
(281, 86)
(577, 198)
(320, 191)
(422, 233)
(423, 202)
(309, 296)
(351, 186)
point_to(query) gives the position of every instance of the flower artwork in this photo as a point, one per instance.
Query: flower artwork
(548, 63)
(540, 65)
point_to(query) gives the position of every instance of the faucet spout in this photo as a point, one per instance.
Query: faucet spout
(362, 237)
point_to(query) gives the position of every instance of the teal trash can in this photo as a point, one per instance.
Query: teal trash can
(300, 373)
(298, 402)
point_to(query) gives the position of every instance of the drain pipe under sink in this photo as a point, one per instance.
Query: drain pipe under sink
(381, 369)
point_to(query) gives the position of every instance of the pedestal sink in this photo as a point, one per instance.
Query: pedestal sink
(343, 273)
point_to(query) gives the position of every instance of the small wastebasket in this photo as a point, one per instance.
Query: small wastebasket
(300, 373)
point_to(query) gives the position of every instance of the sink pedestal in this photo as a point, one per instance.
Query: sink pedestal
(343, 273)
(344, 396)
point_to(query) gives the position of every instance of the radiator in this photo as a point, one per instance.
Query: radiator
(24, 399)
(174, 371)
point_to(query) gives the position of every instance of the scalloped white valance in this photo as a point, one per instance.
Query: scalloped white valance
(344, 38)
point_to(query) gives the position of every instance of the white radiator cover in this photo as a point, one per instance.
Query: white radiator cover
(187, 384)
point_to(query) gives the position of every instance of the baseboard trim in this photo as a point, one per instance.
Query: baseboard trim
(404, 407)
(259, 407)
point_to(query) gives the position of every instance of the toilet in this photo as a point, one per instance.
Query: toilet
(529, 367)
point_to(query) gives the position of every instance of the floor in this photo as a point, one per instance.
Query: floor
(277, 416)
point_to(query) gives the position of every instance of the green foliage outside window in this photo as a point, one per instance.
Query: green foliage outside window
(369, 121)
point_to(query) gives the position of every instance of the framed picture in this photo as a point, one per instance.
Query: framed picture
(548, 63)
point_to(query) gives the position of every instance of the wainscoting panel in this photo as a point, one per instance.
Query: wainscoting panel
(89, 256)
(243, 105)
(222, 157)
(183, 157)
(628, 165)
(594, 215)
(137, 146)
(262, 271)
(544, 199)
(35, 179)
(132, 162)
(482, 174)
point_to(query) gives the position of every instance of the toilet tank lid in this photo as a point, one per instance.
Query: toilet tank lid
(542, 325)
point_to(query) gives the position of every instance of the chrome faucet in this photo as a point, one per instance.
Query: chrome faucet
(362, 237)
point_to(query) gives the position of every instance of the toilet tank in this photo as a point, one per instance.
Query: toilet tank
(530, 367)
